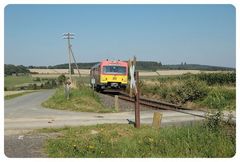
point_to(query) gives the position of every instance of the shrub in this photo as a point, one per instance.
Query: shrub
(37, 79)
(34, 86)
(220, 98)
(61, 79)
(192, 89)
(189, 90)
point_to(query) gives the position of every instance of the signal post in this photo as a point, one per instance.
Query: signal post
(134, 88)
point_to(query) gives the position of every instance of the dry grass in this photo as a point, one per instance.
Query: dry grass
(85, 72)
(8, 93)
(173, 72)
(59, 71)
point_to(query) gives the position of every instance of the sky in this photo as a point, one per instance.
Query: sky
(170, 34)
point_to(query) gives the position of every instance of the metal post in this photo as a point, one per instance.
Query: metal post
(137, 107)
(130, 86)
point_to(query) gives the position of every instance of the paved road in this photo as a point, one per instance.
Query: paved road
(25, 113)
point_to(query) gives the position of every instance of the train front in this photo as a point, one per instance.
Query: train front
(114, 74)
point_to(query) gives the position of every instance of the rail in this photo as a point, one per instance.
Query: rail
(162, 105)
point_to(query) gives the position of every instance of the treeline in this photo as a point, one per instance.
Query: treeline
(196, 67)
(217, 78)
(65, 66)
(144, 65)
(12, 69)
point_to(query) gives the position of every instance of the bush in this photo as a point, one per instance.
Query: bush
(189, 90)
(220, 98)
(37, 79)
(61, 79)
(192, 89)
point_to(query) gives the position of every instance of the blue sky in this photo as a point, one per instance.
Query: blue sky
(199, 34)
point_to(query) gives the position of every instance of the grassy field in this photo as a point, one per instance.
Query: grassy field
(11, 81)
(119, 140)
(82, 99)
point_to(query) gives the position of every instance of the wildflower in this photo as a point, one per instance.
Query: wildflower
(91, 147)
(150, 139)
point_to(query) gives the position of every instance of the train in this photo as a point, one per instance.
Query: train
(109, 75)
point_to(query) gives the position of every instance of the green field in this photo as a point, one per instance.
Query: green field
(121, 140)
(11, 81)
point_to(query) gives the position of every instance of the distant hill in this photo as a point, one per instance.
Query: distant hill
(145, 65)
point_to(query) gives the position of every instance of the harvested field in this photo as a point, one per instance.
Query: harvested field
(174, 72)
(59, 71)
(84, 72)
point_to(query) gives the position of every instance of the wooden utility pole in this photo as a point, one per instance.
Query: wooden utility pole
(69, 36)
(71, 56)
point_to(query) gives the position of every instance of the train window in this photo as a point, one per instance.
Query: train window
(114, 69)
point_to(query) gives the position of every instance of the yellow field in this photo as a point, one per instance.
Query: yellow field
(59, 71)
(173, 72)
(86, 72)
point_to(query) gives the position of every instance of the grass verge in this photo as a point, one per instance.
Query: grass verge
(11, 96)
(82, 99)
(119, 140)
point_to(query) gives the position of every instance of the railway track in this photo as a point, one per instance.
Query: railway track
(161, 105)
(153, 103)
(228, 117)
(165, 105)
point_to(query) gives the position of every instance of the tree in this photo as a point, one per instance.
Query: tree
(61, 79)
(72, 70)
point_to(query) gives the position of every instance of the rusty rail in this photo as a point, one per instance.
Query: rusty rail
(161, 105)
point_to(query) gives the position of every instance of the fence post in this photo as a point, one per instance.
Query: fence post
(116, 103)
(157, 118)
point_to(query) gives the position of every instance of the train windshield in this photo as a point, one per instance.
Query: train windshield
(114, 70)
